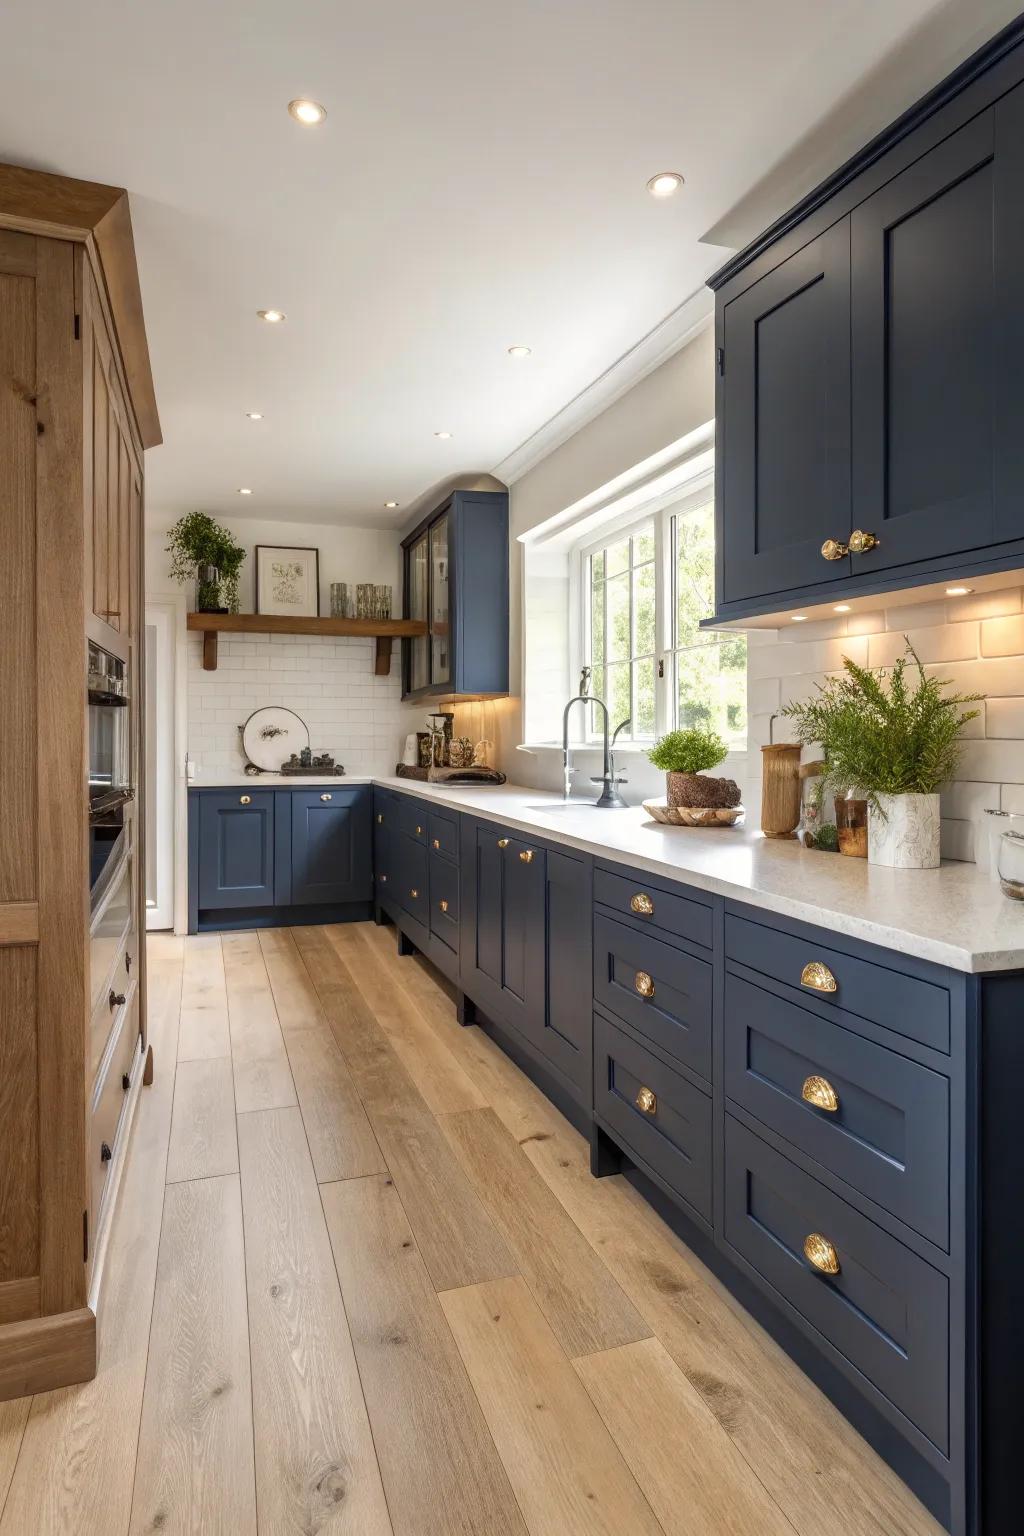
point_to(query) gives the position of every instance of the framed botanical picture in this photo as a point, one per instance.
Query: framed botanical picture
(287, 580)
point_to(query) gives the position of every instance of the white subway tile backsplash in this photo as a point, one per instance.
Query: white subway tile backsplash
(762, 695)
(957, 840)
(983, 605)
(1005, 719)
(916, 615)
(943, 642)
(998, 762)
(963, 800)
(1003, 637)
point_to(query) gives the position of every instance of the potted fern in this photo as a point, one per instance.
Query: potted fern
(205, 552)
(891, 738)
(685, 757)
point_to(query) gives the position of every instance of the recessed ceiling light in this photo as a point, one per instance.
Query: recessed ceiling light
(243, 490)
(841, 608)
(665, 183)
(271, 316)
(391, 504)
(255, 415)
(958, 591)
(442, 434)
(519, 351)
(799, 618)
(308, 113)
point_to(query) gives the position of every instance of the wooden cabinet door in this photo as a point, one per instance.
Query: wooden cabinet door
(236, 849)
(331, 861)
(785, 406)
(925, 323)
(113, 487)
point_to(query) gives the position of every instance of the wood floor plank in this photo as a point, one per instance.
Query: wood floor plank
(316, 1470)
(204, 1001)
(263, 1078)
(13, 1418)
(690, 1471)
(568, 1476)
(341, 1141)
(436, 1071)
(442, 1474)
(195, 1463)
(203, 1141)
(77, 1464)
(459, 1242)
(584, 1304)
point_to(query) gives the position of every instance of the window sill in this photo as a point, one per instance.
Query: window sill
(622, 749)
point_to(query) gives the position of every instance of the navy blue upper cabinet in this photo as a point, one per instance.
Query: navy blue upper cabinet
(870, 386)
(455, 566)
(236, 841)
(331, 846)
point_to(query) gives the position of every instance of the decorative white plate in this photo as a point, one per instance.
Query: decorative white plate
(692, 816)
(271, 735)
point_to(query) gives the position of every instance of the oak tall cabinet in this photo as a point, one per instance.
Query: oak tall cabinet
(76, 412)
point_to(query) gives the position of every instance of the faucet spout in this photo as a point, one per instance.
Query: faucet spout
(609, 795)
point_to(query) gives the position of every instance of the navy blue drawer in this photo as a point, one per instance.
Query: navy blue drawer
(888, 1132)
(654, 1113)
(412, 818)
(661, 990)
(907, 1004)
(444, 900)
(443, 833)
(650, 903)
(411, 877)
(886, 1311)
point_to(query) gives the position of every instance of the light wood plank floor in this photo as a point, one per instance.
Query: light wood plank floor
(362, 1283)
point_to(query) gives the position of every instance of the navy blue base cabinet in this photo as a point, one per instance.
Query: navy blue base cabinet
(268, 857)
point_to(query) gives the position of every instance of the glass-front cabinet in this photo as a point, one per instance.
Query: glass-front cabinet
(456, 582)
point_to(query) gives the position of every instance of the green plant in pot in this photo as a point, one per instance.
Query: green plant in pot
(891, 738)
(684, 757)
(205, 552)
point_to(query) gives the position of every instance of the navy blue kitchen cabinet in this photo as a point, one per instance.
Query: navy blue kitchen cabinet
(869, 387)
(504, 960)
(269, 857)
(455, 569)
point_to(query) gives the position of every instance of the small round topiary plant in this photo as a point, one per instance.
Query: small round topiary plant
(684, 757)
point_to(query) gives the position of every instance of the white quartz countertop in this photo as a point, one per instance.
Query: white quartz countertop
(275, 780)
(955, 915)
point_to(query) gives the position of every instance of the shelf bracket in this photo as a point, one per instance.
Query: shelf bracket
(382, 663)
(209, 650)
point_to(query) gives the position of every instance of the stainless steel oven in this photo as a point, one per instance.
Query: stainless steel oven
(110, 764)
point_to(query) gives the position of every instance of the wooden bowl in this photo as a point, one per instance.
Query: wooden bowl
(692, 816)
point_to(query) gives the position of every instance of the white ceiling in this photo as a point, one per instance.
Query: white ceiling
(479, 182)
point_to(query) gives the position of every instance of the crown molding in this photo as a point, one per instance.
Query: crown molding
(673, 333)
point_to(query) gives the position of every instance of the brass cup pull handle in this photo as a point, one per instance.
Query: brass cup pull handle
(414, 893)
(380, 819)
(819, 1092)
(832, 549)
(245, 799)
(437, 842)
(862, 543)
(443, 905)
(526, 855)
(502, 842)
(817, 976)
(419, 831)
(821, 1254)
(642, 904)
(644, 984)
(646, 1101)
(325, 797)
(383, 879)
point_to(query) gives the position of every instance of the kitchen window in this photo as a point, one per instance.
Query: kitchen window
(645, 587)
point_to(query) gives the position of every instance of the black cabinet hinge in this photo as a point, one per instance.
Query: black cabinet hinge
(78, 327)
(85, 1237)
(721, 362)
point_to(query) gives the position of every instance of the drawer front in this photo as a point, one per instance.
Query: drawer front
(905, 1004)
(385, 809)
(886, 1310)
(106, 1013)
(110, 1095)
(444, 900)
(675, 1013)
(883, 1127)
(443, 834)
(654, 906)
(654, 1113)
(412, 878)
(412, 818)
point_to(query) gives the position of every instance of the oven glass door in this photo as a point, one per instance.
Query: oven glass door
(111, 923)
(109, 757)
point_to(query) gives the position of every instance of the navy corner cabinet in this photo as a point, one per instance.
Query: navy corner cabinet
(455, 571)
(869, 346)
(262, 857)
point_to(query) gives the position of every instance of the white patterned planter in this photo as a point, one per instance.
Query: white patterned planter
(907, 836)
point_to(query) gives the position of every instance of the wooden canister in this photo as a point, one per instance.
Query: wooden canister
(780, 789)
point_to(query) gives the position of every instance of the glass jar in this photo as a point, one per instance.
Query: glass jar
(852, 827)
(1011, 865)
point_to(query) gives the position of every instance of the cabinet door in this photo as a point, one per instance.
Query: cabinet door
(925, 320)
(417, 586)
(331, 860)
(113, 486)
(504, 902)
(440, 603)
(566, 1024)
(236, 849)
(785, 403)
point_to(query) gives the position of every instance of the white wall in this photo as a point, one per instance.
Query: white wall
(329, 682)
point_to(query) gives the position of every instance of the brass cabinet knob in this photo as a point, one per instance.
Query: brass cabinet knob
(419, 831)
(642, 904)
(502, 842)
(833, 550)
(526, 855)
(646, 1101)
(862, 543)
(644, 984)
(414, 894)
(245, 799)
(819, 1092)
(818, 977)
(380, 819)
(437, 842)
(821, 1254)
(443, 905)
(325, 797)
(383, 879)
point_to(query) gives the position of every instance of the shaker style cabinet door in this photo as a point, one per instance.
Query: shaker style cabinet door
(331, 846)
(566, 1024)
(503, 945)
(236, 849)
(785, 402)
(929, 286)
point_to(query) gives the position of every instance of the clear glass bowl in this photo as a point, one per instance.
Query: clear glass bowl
(1011, 865)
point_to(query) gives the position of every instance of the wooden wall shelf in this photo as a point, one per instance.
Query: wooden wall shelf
(384, 631)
